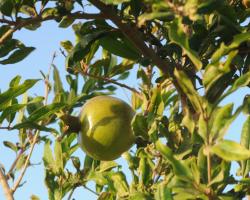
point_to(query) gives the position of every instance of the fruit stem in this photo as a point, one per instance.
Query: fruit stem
(72, 123)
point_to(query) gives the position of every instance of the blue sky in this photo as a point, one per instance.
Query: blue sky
(47, 40)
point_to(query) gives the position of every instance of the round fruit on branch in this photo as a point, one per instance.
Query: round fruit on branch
(104, 127)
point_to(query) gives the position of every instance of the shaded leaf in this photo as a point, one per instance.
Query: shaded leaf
(10, 145)
(180, 169)
(177, 35)
(119, 47)
(188, 88)
(17, 55)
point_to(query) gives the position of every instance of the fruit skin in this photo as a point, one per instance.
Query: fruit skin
(106, 127)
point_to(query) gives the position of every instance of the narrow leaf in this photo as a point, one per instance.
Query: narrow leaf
(177, 35)
(219, 124)
(230, 150)
(17, 55)
(45, 111)
(245, 142)
(180, 169)
(189, 90)
(163, 192)
(13, 92)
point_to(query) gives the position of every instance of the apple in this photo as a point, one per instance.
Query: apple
(106, 130)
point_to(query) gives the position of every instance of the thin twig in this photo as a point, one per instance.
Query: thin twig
(14, 163)
(71, 193)
(35, 139)
(112, 81)
(7, 191)
(92, 191)
(17, 183)
(6, 128)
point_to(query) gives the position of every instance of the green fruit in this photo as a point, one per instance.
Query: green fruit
(106, 127)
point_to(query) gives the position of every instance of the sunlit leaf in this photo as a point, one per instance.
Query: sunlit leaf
(230, 150)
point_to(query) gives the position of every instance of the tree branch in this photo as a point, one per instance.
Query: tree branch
(22, 22)
(7, 191)
(135, 36)
(14, 163)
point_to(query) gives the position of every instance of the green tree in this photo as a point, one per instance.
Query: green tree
(189, 55)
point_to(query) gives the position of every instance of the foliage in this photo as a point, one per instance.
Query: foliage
(189, 56)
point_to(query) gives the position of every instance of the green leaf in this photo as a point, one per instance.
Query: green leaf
(66, 22)
(8, 46)
(180, 169)
(82, 48)
(140, 196)
(6, 7)
(58, 157)
(10, 145)
(216, 74)
(135, 101)
(48, 159)
(163, 192)
(105, 196)
(13, 92)
(220, 123)
(58, 87)
(164, 16)
(242, 81)
(114, 2)
(245, 142)
(177, 35)
(17, 55)
(188, 121)
(120, 184)
(107, 165)
(20, 163)
(224, 50)
(144, 172)
(15, 81)
(10, 110)
(67, 45)
(188, 88)
(35, 126)
(202, 128)
(88, 161)
(98, 178)
(45, 111)
(140, 126)
(230, 150)
(119, 46)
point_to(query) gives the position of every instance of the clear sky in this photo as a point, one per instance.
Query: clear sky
(46, 40)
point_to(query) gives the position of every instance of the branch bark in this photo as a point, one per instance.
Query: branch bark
(7, 191)
(132, 33)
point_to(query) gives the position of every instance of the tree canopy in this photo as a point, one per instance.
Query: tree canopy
(188, 55)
